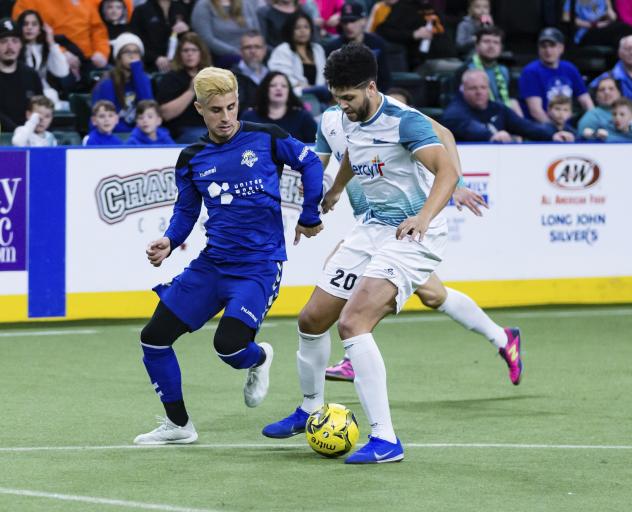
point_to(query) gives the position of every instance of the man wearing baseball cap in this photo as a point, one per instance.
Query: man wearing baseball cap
(18, 82)
(550, 76)
(353, 20)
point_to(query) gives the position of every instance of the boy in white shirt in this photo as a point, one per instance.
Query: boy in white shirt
(39, 116)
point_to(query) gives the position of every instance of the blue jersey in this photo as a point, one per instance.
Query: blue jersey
(238, 181)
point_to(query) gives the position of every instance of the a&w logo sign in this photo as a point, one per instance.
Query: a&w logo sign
(117, 196)
(573, 173)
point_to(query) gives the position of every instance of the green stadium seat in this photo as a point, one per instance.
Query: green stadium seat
(64, 120)
(311, 104)
(81, 106)
(5, 139)
(67, 138)
(123, 136)
(435, 112)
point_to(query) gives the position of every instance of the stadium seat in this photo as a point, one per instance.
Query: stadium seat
(65, 138)
(123, 136)
(397, 59)
(5, 138)
(412, 82)
(311, 104)
(434, 112)
(592, 60)
(80, 105)
(64, 120)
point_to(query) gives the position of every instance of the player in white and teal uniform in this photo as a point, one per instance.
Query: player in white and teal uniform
(407, 177)
(330, 140)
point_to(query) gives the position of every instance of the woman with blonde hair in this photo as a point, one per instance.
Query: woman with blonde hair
(221, 23)
(174, 90)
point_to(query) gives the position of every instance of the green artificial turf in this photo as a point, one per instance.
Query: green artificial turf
(450, 399)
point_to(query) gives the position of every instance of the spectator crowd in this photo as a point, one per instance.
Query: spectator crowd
(111, 72)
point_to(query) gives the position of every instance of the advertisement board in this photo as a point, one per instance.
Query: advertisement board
(13, 222)
(118, 200)
(556, 230)
(555, 211)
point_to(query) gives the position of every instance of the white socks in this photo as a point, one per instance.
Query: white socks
(370, 384)
(465, 311)
(311, 361)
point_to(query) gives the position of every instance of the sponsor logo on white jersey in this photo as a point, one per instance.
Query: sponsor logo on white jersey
(372, 168)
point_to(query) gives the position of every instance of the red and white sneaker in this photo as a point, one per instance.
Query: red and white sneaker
(511, 354)
(342, 370)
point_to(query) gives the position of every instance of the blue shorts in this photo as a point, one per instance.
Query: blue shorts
(245, 289)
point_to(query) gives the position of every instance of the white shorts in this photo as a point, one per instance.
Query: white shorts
(372, 250)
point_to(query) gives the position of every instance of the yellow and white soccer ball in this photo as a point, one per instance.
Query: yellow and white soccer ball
(332, 430)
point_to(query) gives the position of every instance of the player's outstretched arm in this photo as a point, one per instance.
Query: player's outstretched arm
(158, 250)
(436, 159)
(462, 196)
(345, 173)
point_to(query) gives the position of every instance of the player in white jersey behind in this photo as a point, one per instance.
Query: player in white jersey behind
(330, 140)
(407, 177)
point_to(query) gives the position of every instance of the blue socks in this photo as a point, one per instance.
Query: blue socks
(252, 355)
(164, 372)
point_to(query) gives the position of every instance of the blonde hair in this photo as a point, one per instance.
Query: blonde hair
(213, 81)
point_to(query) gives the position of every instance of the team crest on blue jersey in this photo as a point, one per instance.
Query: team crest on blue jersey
(249, 158)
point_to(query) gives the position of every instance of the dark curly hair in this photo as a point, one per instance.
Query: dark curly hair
(350, 66)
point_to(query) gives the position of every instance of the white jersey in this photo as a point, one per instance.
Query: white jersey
(330, 140)
(381, 150)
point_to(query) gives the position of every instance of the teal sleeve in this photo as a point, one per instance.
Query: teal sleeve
(415, 131)
(322, 146)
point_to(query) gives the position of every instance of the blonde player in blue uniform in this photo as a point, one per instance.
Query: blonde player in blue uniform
(234, 172)
(407, 177)
(330, 140)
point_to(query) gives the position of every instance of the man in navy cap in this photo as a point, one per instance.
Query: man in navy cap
(550, 76)
(353, 20)
(18, 82)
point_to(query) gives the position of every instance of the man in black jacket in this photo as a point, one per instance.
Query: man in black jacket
(353, 20)
(154, 22)
(18, 82)
(412, 21)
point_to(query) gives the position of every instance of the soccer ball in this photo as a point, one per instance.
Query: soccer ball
(332, 430)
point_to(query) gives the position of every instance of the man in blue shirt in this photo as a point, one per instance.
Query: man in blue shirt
(235, 172)
(473, 117)
(622, 71)
(549, 76)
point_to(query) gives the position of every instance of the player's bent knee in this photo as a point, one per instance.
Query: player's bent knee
(234, 344)
(350, 324)
(431, 300)
(163, 328)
